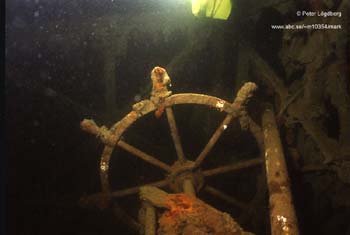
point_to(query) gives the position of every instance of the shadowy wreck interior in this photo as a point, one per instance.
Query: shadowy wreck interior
(171, 117)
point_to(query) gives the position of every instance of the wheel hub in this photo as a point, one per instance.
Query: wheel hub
(182, 170)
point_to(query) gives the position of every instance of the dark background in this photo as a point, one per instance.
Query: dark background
(52, 162)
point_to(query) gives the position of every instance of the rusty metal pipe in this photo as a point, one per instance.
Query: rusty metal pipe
(282, 213)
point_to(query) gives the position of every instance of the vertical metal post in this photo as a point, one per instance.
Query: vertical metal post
(188, 187)
(150, 219)
(282, 214)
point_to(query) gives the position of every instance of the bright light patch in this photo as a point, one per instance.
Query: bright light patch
(217, 9)
(196, 7)
(220, 104)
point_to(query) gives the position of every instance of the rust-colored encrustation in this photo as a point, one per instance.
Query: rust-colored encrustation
(186, 215)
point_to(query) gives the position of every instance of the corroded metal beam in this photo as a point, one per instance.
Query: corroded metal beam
(282, 214)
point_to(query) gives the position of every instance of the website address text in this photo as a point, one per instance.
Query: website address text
(306, 26)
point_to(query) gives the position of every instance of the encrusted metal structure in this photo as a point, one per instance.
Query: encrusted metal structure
(282, 214)
(183, 175)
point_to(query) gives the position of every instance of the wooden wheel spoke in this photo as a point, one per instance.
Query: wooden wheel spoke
(218, 193)
(175, 134)
(233, 167)
(144, 156)
(212, 141)
(134, 190)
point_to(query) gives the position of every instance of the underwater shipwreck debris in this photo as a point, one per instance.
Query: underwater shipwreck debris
(187, 215)
(324, 79)
(183, 175)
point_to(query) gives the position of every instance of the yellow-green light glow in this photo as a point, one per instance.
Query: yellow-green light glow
(217, 9)
(196, 6)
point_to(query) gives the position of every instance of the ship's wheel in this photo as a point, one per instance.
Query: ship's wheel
(183, 175)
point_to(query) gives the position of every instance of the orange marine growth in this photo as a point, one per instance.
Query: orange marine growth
(159, 111)
(160, 80)
(188, 215)
(178, 205)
